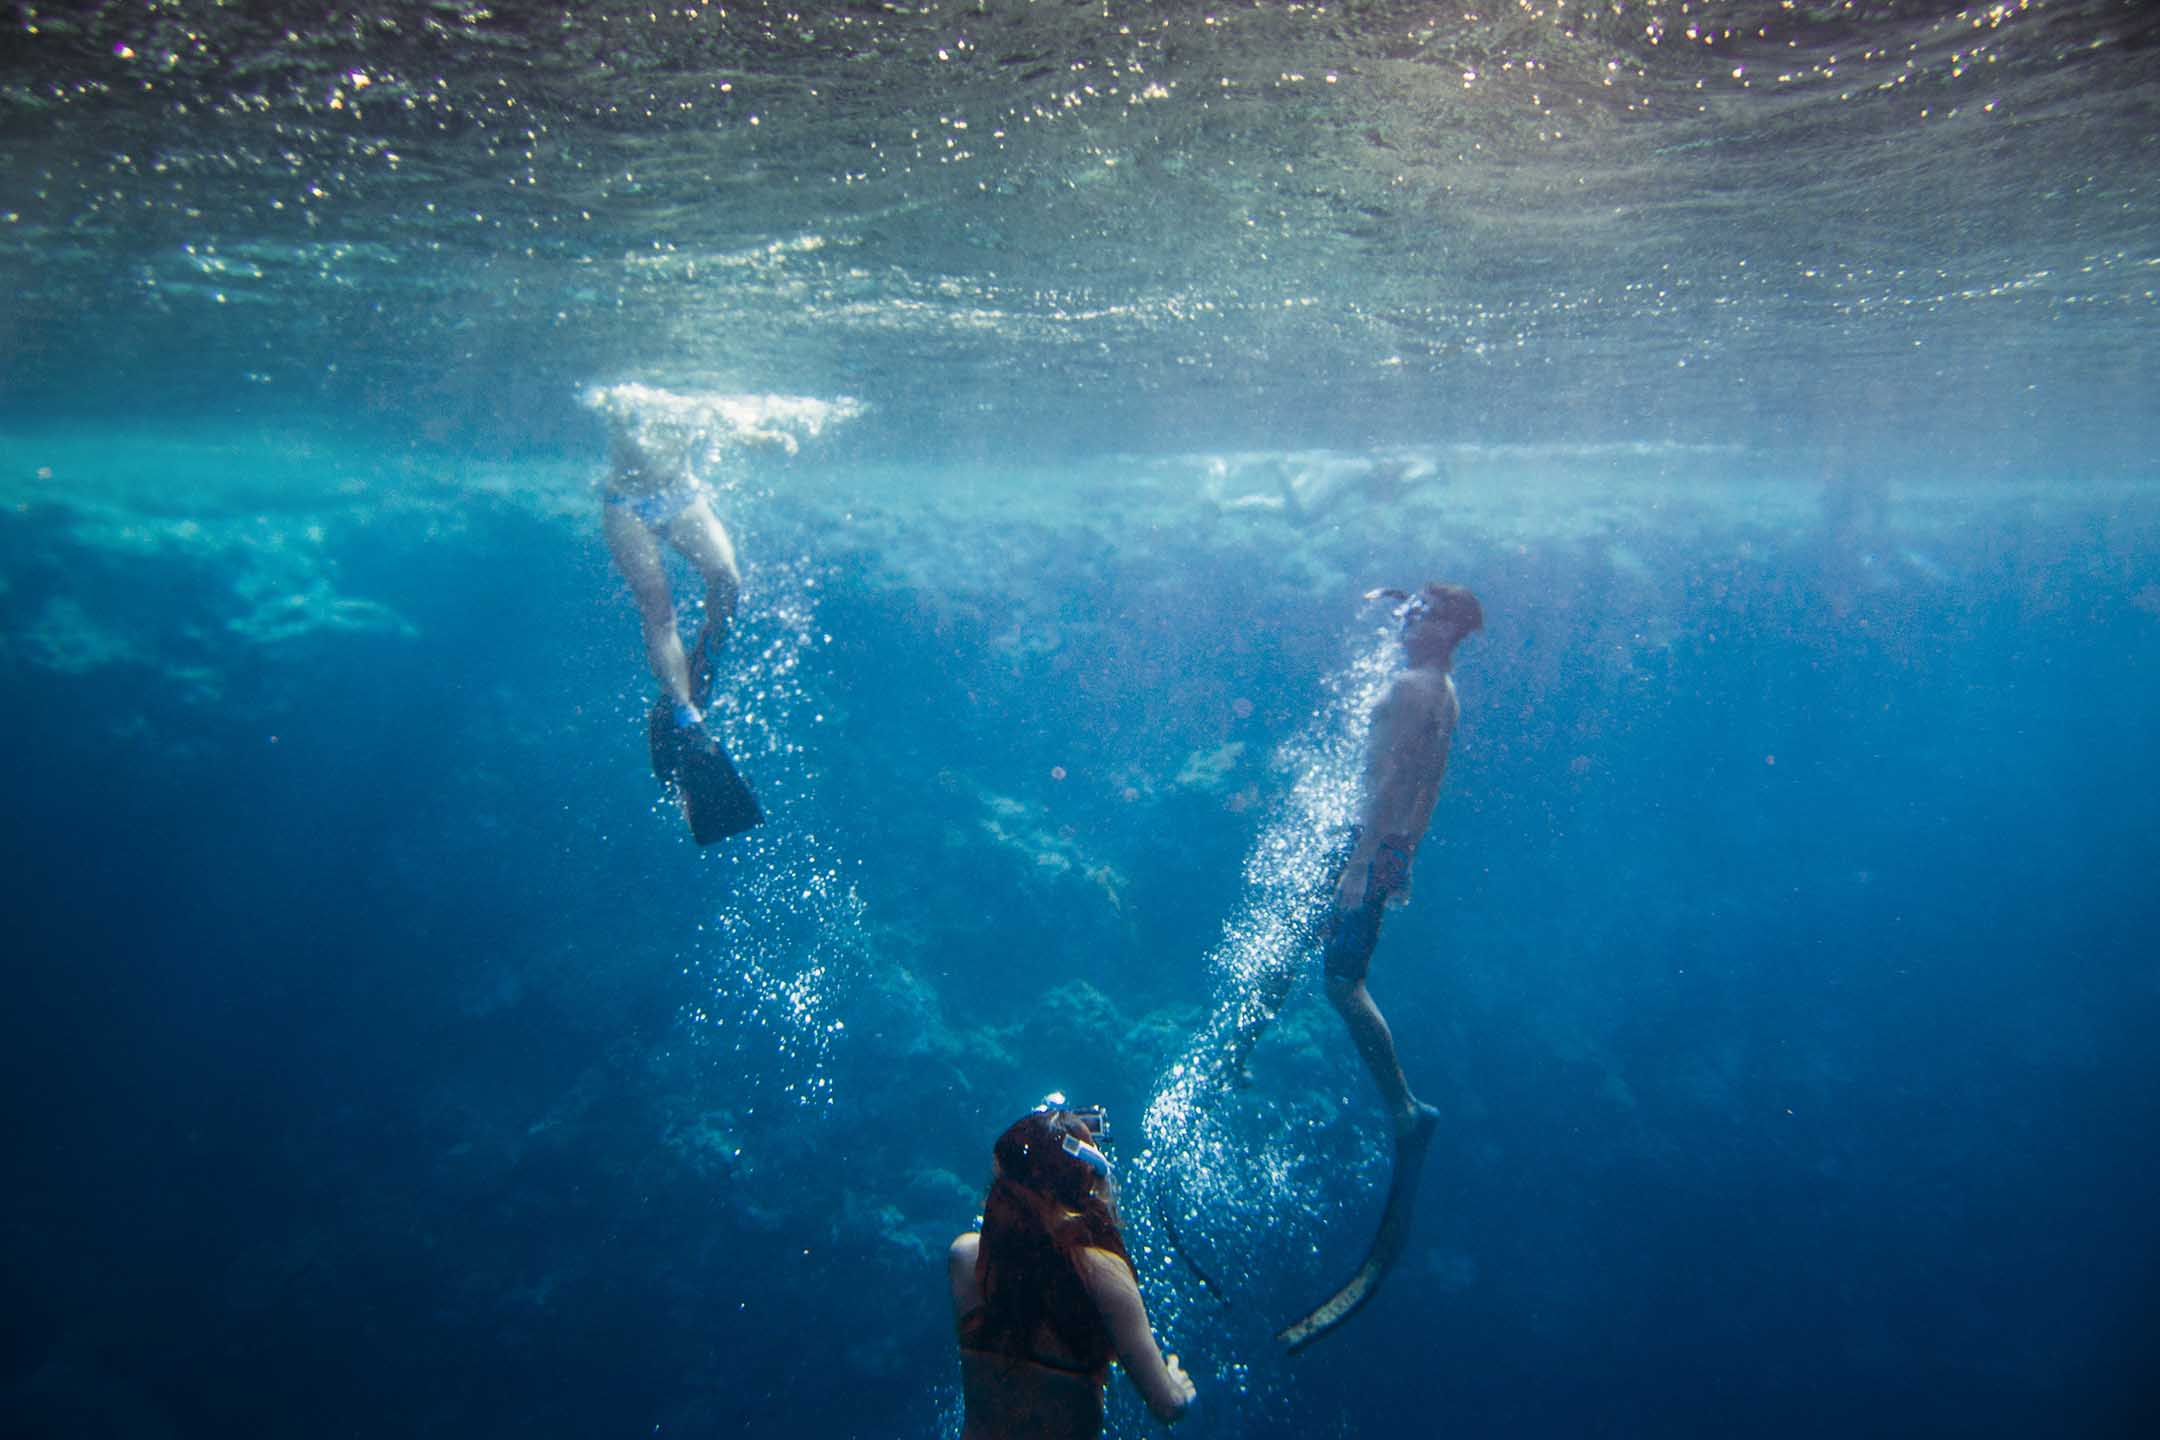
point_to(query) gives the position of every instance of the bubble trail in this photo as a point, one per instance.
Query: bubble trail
(787, 942)
(1199, 1164)
(1258, 959)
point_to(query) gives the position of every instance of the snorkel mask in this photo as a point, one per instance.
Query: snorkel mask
(1097, 1122)
(1450, 606)
(1409, 608)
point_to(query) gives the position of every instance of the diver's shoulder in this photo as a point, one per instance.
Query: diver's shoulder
(1104, 1271)
(1424, 684)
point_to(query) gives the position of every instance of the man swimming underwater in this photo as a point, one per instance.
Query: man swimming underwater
(1406, 754)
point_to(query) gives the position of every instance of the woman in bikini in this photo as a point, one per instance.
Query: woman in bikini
(1045, 1295)
(653, 497)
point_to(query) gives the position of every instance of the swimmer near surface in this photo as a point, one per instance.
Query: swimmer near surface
(658, 496)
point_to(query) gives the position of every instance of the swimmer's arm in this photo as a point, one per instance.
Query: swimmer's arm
(1393, 719)
(1406, 750)
(960, 1273)
(1416, 715)
(758, 435)
(1162, 1383)
(1396, 721)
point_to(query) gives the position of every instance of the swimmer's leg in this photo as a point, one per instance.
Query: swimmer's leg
(702, 540)
(637, 555)
(1376, 1046)
(1348, 958)
(1353, 936)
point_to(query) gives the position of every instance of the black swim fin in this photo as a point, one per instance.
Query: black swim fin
(1386, 1248)
(690, 761)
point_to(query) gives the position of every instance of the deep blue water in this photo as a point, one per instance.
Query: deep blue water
(1782, 975)
(382, 1059)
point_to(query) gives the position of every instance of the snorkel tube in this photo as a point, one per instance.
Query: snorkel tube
(1094, 1121)
(1408, 606)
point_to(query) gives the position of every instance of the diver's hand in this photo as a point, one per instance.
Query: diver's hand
(1350, 886)
(1182, 1383)
(781, 438)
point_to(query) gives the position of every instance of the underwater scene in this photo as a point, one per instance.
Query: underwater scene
(630, 631)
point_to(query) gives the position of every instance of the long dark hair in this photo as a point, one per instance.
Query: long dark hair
(1045, 1206)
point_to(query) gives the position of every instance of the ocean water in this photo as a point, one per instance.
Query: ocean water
(382, 1058)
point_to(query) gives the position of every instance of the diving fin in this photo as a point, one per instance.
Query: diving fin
(1386, 1248)
(689, 760)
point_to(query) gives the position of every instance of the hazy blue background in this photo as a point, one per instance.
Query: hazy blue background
(380, 1058)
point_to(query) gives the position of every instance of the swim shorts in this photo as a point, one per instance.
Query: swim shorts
(1353, 934)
